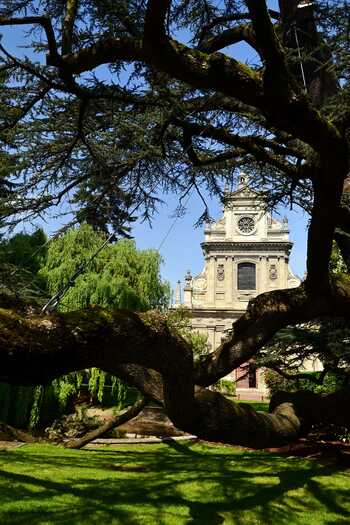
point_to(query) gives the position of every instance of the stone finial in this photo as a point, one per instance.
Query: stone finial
(178, 293)
(242, 180)
(285, 222)
(188, 279)
(188, 290)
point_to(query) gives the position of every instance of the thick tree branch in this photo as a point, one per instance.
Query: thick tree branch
(48, 358)
(227, 38)
(224, 20)
(208, 72)
(45, 23)
(327, 196)
(277, 80)
(35, 349)
(154, 30)
(68, 25)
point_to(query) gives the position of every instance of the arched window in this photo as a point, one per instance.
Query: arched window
(246, 279)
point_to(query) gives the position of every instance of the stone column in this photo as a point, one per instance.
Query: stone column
(229, 284)
(259, 275)
(285, 261)
(211, 281)
(265, 284)
(234, 280)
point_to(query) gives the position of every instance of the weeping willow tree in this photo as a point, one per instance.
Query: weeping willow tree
(120, 276)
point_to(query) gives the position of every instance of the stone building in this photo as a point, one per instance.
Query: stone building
(246, 253)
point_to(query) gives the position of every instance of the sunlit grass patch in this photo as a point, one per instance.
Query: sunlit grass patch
(170, 484)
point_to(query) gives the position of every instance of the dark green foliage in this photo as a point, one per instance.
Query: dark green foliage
(27, 406)
(21, 258)
(325, 339)
(331, 383)
(337, 264)
(225, 386)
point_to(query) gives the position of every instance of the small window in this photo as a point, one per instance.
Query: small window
(246, 276)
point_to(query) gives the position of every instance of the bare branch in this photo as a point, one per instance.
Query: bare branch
(45, 23)
(251, 144)
(26, 109)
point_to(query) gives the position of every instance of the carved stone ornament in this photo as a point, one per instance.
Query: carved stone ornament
(246, 224)
(200, 283)
(220, 273)
(273, 271)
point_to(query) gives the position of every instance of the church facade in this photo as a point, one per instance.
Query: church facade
(246, 253)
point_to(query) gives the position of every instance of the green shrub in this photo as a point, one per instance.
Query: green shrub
(331, 383)
(225, 386)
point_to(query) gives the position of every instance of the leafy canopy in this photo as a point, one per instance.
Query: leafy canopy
(100, 121)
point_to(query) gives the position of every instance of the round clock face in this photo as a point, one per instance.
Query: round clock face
(246, 224)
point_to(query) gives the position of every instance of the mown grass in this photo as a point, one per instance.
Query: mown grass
(262, 406)
(170, 484)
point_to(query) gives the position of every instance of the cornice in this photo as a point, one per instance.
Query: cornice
(246, 246)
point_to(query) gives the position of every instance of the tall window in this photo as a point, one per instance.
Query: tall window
(246, 279)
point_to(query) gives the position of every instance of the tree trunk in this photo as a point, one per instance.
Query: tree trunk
(113, 422)
(16, 435)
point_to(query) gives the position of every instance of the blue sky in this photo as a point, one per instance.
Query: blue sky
(181, 249)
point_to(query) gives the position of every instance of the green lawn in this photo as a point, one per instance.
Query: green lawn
(262, 406)
(177, 484)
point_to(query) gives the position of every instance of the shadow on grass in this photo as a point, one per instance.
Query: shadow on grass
(180, 483)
